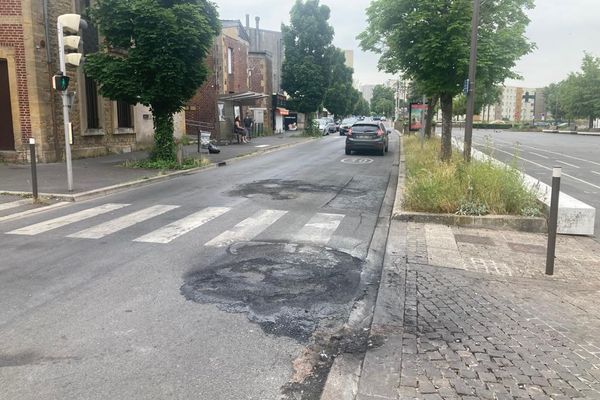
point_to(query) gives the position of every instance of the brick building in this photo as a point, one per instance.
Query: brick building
(227, 93)
(30, 108)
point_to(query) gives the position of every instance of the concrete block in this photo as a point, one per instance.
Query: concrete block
(574, 216)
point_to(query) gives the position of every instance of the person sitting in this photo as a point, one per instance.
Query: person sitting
(240, 131)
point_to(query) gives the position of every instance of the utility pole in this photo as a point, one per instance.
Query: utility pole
(471, 85)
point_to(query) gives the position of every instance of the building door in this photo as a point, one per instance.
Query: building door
(7, 134)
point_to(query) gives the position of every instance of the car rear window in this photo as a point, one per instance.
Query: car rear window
(365, 128)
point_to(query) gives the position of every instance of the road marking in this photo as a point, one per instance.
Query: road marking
(357, 160)
(262, 145)
(550, 169)
(549, 151)
(319, 229)
(566, 163)
(248, 228)
(14, 204)
(594, 172)
(178, 228)
(539, 155)
(34, 211)
(107, 228)
(67, 219)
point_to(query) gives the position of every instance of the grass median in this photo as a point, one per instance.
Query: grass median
(476, 188)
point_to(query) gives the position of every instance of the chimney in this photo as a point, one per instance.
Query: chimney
(257, 34)
(248, 23)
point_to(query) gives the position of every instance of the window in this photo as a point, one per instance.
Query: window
(124, 115)
(91, 103)
(229, 60)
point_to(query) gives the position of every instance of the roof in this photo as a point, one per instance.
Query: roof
(243, 97)
(236, 23)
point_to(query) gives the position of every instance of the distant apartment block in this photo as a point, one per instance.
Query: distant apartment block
(349, 56)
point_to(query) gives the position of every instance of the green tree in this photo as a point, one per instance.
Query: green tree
(580, 92)
(306, 69)
(552, 101)
(428, 41)
(383, 100)
(338, 97)
(153, 53)
(362, 106)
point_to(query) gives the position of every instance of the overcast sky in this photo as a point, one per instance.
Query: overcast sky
(562, 30)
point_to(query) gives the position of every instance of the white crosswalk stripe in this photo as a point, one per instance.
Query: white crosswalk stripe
(248, 228)
(319, 229)
(14, 204)
(67, 219)
(107, 228)
(178, 228)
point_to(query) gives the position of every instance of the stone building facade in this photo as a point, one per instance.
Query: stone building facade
(28, 59)
(227, 93)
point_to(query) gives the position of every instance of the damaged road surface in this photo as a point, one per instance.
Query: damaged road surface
(287, 289)
(243, 282)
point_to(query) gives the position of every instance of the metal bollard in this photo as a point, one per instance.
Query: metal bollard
(34, 183)
(553, 221)
(199, 133)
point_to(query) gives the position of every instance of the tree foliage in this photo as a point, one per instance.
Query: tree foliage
(339, 97)
(383, 101)
(429, 41)
(578, 96)
(153, 53)
(306, 69)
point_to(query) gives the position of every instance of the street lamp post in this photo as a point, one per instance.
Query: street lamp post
(471, 88)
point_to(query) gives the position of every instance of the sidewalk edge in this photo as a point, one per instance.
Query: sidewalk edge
(107, 190)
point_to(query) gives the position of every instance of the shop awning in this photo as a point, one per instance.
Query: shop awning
(243, 97)
(283, 111)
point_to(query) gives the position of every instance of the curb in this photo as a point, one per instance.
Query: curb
(90, 194)
(510, 222)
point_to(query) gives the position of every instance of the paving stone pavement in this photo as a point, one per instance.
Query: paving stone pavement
(482, 321)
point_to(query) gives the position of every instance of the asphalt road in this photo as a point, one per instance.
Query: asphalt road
(210, 286)
(537, 153)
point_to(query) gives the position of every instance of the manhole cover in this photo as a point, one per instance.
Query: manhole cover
(286, 288)
(360, 161)
(486, 241)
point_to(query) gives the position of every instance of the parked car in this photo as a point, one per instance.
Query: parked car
(346, 125)
(367, 136)
(323, 125)
(331, 128)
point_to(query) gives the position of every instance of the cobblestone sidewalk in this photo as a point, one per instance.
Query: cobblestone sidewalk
(482, 321)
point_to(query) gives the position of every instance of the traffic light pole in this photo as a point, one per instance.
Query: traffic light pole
(65, 101)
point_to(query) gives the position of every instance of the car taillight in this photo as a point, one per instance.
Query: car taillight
(349, 132)
(379, 132)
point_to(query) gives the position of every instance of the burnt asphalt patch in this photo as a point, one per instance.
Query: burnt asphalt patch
(279, 189)
(287, 289)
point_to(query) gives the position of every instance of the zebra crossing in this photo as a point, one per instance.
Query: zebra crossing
(319, 229)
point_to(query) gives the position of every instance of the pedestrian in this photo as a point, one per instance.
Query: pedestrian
(240, 131)
(248, 124)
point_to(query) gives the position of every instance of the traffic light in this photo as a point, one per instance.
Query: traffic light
(70, 23)
(60, 82)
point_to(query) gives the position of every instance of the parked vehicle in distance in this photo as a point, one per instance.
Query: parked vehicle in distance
(346, 125)
(323, 124)
(367, 136)
(331, 128)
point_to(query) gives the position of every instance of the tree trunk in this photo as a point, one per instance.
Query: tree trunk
(591, 122)
(446, 105)
(432, 101)
(164, 143)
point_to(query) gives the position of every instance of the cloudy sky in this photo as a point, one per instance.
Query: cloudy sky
(562, 30)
